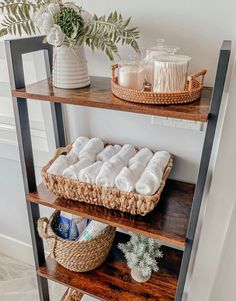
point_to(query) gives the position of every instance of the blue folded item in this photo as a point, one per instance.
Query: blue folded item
(66, 228)
(69, 226)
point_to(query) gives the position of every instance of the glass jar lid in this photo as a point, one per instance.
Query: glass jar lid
(159, 49)
(132, 61)
(172, 56)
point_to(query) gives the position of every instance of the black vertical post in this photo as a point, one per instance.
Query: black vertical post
(58, 124)
(14, 51)
(205, 160)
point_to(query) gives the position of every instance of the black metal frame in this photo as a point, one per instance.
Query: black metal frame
(14, 51)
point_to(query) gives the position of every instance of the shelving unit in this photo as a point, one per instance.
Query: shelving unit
(168, 222)
(112, 280)
(174, 220)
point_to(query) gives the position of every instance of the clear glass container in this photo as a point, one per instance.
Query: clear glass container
(131, 74)
(152, 54)
(155, 50)
(170, 72)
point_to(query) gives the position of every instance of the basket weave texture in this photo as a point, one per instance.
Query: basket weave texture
(111, 198)
(191, 93)
(73, 255)
(73, 295)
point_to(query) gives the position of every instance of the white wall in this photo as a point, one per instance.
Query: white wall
(199, 34)
(213, 272)
(198, 28)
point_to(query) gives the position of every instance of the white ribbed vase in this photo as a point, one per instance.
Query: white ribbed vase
(70, 70)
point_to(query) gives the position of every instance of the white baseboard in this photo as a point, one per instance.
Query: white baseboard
(16, 249)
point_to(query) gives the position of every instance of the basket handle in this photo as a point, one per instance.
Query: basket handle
(42, 224)
(74, 295)
(61, 150)
(58, 152)
(193, 76)
(114, 68)
(42, 227)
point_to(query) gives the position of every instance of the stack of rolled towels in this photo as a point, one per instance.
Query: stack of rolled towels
(117, 166)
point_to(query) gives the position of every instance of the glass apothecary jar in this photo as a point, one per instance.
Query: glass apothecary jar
(131, 74)
(152, 54)
(159, 49)
(170, 72)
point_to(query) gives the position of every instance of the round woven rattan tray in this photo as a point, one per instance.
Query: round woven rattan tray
(191, 93)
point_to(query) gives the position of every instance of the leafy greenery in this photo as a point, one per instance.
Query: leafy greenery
(70, 22)
(105, 33)
(141, 253)
(101, 33)
(17, 18)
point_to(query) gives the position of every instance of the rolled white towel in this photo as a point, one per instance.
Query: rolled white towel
(108, 152)
(109, 171)
(126, 179)
(79, 144)
(72, 157)
(58, 166)
(117, 147)
(72, 172)
(111, 168)
(150, 179)
(144, 155)
(89, 174)
(91, 149)
(148, 184)
(162, 157)
(126, 152)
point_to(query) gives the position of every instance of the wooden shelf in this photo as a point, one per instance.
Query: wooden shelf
(112, 280)
(99, 95)
(168, 222)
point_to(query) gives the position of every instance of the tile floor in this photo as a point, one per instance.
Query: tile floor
(18, 282)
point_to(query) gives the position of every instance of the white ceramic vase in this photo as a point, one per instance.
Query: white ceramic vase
(138, 276)
(70, 70)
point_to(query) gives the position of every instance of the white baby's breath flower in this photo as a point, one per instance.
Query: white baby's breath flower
(37, 15)
(55, 36)
(43, 20)
(53, 8)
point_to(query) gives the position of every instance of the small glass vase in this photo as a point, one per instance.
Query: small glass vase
(70, 70)
(138, 276)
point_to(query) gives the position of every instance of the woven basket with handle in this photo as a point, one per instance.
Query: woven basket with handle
(73, 255)
(191, 93)
(111, 198)
(73, 295)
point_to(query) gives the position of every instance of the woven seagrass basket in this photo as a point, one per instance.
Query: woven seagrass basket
(192, 92)
(72, 295)
(111, 198)
(73, 255)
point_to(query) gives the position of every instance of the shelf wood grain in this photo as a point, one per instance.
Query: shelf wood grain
(168, 222)
(112, 280)
(99, 95)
